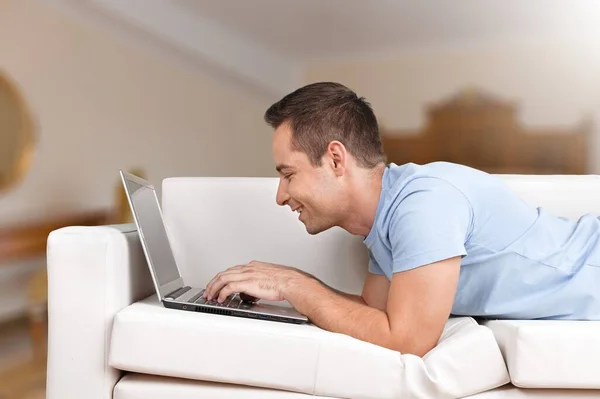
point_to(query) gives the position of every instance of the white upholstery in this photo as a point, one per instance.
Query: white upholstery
(301, 358)
(143, 386)
(95, 273)
(215, 223)
(138, 386)
(562, 195)
(550, 354)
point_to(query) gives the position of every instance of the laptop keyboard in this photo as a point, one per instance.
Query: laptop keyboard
(232, 301)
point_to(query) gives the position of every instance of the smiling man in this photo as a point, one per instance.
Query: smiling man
(442, 238)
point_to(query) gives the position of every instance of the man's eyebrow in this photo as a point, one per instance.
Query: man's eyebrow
(280, 167)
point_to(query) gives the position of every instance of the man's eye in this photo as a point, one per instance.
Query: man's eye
(288, 177)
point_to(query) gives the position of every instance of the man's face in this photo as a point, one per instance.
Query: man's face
(311, 191)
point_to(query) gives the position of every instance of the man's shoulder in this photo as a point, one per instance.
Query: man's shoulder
(402, 180)
(439, 189)
(424, 191)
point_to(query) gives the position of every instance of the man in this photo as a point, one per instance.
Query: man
(442, 238)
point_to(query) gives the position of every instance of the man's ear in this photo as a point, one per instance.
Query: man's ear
(337, 157)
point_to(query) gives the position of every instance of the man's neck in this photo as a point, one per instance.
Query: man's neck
(365, 201)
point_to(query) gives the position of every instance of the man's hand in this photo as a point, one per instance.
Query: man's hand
(258, 279)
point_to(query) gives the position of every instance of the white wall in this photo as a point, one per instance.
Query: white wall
(102, 105)
(556, 83)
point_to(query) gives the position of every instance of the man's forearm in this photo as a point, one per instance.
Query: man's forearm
(352, 297)
(338, 313)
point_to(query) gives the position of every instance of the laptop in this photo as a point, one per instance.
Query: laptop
(170, 286)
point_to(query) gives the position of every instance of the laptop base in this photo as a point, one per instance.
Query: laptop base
(229, 312)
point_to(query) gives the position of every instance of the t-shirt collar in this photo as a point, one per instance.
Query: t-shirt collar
(368, 241)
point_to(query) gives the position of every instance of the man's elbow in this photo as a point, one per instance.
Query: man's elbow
(413, 344)
(420, 349)
(417, 349)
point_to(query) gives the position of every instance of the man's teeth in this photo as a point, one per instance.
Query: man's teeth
(299, 210)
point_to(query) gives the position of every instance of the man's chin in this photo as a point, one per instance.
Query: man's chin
(314, 230)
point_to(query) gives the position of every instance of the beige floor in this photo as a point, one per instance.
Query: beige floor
(21, 375)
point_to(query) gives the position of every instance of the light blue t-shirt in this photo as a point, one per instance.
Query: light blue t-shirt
(519, 261)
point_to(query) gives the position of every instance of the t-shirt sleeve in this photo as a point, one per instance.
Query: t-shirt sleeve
(374, 267)
(429, 224)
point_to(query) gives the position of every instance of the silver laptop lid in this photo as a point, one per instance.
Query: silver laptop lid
(153, 235)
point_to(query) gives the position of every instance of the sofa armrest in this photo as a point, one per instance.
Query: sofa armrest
(93, 272)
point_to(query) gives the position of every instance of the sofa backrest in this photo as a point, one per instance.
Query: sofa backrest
(561, 195)
(215, 223)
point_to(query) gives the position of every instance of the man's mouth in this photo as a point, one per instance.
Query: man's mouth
(299, 209)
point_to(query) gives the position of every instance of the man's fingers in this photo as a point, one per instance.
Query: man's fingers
(209, 286)
(227, 290)
(237, 286)
(235, 273)
(222, 281)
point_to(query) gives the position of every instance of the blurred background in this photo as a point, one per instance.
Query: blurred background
(179, 88)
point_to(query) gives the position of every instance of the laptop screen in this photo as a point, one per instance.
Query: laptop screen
(153, 233)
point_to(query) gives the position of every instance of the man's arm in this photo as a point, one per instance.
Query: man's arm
(418, 306)
(409, 320)
(352, 297)
(374, 293)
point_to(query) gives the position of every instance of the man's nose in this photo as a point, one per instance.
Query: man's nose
(282, 195)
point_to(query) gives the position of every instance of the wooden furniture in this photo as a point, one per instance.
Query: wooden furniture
(21, 376)
(477, 129)
(28, 239)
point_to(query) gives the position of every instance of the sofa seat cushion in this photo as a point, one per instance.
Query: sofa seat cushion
(137, 386)
(148, 338)
(550, 354)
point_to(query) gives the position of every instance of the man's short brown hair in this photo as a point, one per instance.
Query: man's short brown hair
(319, 113)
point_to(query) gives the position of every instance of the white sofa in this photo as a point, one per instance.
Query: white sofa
(109, 338)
